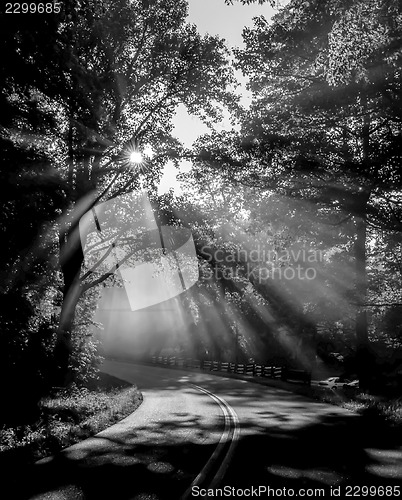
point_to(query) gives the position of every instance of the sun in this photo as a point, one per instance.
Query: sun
(136, 157)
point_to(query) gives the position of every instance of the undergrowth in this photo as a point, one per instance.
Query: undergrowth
(67, 417)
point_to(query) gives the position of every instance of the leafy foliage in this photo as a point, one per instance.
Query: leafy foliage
(80, 91)
(319, 151)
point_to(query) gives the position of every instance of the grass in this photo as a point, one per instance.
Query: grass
(389, 411)
(69, 416)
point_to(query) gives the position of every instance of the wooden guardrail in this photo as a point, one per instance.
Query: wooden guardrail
(250, 369)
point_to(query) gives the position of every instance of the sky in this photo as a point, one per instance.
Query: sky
(227, 21)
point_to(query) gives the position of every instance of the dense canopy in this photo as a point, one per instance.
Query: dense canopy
(295, 212)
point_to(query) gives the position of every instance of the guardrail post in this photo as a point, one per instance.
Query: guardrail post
(207, 365)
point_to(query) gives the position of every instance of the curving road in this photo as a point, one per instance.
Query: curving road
(196, 431)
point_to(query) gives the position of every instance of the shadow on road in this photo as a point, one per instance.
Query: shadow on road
(286, 441)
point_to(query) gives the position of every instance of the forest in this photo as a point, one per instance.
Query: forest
(295, 212)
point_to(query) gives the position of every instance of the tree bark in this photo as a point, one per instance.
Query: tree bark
(71, 259)
(362, 340)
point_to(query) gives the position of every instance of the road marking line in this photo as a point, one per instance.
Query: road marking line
(229, 454)
(230, 433)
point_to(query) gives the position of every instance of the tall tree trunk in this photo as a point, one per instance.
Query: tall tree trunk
(361, 283)
(362, 340)
(71, 255)
(71, 258)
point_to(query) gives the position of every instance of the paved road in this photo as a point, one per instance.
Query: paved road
(266, 437)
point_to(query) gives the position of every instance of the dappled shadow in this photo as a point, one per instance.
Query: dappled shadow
(286, 440)
(160, 471)
(334, 450)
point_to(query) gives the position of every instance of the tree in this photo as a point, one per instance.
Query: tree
(327, 107)
(324, 123)
(31, 196)
(240, 253)
(120, 70)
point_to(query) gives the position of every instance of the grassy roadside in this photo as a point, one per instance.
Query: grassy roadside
(67, 417)
(387, 410)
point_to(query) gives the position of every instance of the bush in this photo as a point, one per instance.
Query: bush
(67, 417)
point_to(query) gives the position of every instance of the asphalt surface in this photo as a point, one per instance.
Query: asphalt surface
(196, 430)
